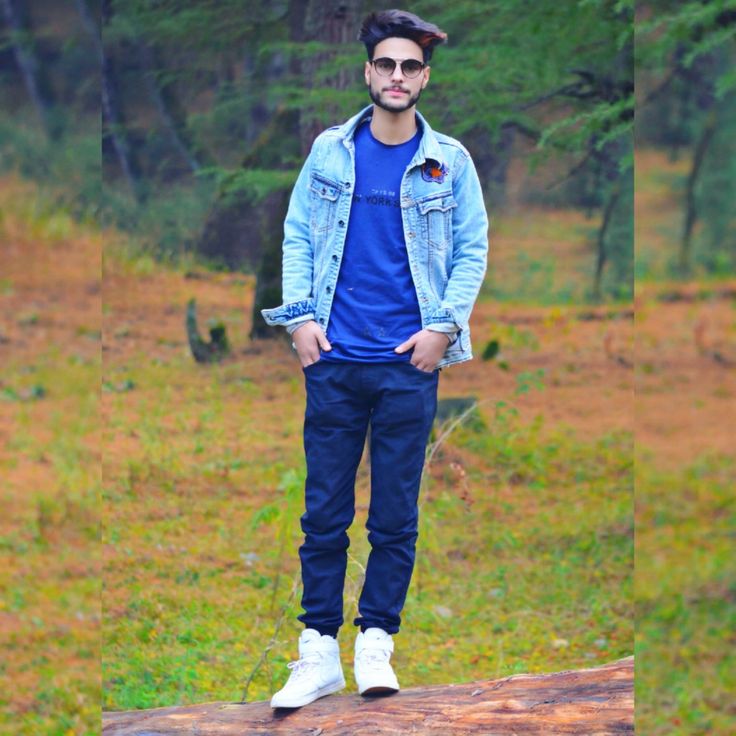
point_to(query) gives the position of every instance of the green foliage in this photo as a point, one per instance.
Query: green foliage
(33, 393)
(167, 225)
(528, 380)
(686, 54)
(694, 27)
(253, 184)
(480, 79)
(479, 82)
(491, 350)
(291, 486)
(584, 126)
(223, 72)
(684, 58)
(201, 26)
(69, 168)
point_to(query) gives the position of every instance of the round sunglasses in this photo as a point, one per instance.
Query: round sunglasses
(385, 66)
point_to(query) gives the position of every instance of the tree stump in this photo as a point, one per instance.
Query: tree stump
(592, 702)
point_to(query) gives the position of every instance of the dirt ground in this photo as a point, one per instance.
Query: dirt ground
(655, 375)
(675, 397)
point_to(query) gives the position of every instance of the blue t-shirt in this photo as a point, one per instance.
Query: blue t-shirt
(375, 307)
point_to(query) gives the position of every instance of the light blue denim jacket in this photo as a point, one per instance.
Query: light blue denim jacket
(445, 229)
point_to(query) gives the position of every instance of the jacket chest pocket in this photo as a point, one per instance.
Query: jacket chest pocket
(323, 196)
(435, 216)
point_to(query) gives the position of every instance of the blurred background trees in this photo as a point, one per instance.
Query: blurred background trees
(686, 85)
(50, 92)
(208, 110)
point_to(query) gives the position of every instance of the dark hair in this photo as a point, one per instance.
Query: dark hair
(400, 24)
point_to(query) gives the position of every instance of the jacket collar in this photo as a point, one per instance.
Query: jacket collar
(429, 147)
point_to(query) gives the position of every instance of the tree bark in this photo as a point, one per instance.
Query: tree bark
(167, 106)
(112, 116)
(30, 68)
(691, 209)
(602, 255)
(590, 702)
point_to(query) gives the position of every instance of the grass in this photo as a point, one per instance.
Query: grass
(197, 505)
(541, 256)
(201, 539)
(686, 598)
(49, 555)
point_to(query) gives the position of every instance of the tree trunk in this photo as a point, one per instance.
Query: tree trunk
(169, 110)
(602, 255)
(691, 210)
(31, 70)
(590, 702)
(112, 117)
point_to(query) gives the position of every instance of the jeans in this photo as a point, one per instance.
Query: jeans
(399, 402)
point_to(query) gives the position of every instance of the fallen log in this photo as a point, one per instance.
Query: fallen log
(592, 702)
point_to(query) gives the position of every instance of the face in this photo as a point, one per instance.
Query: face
(396, 93)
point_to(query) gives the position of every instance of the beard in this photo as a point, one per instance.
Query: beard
(400, 107)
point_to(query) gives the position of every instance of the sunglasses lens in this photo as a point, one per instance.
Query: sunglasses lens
(384, 67)
(411, 68)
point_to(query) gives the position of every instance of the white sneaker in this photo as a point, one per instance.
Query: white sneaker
(373, 672)
(317, 672)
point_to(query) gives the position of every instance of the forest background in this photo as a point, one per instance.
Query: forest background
(153, 503)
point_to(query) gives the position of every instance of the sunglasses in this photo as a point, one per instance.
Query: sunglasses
(410, 68)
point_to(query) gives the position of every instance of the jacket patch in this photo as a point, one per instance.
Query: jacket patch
(433, 172)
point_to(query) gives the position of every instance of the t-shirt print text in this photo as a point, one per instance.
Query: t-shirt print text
(381, 197)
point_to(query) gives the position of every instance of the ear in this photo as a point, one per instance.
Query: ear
(367, 73)
(427, 70)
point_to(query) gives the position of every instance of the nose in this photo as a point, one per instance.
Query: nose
(397, 75)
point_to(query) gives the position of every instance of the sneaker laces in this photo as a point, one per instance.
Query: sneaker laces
(301, 667)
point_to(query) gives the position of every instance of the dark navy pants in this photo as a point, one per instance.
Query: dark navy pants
(398, 401)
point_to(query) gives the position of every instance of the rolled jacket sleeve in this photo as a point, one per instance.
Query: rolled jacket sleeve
(448, 329)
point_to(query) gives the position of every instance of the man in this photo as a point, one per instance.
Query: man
(384, 253)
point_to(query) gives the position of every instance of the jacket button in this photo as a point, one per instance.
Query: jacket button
(334, 258)
(347, 185)
(341, 223)
(328, 289)
(321, 320)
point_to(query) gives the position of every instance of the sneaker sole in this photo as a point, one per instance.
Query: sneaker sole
(321, 693)
(380, 690)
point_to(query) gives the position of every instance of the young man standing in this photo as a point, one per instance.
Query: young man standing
(384, 253)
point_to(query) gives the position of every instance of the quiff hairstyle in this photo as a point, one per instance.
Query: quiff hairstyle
(400, 24)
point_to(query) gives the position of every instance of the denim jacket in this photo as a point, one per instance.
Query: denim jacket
(445, 229)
